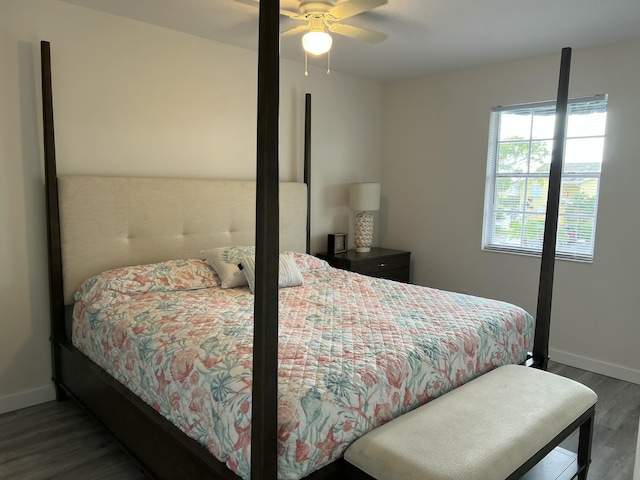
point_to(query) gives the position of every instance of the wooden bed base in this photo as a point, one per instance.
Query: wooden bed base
(161, 448)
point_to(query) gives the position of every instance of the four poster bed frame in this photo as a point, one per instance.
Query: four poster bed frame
(160, 447)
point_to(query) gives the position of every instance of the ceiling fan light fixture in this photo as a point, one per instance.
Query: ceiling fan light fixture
(316, 42)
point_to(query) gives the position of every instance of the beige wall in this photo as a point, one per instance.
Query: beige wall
(434, 168)
(133, 99)
(141, 100)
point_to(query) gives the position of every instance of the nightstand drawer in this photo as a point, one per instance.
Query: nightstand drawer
(379, 262)
(381, 265)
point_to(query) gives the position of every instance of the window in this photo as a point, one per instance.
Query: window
(519, 159)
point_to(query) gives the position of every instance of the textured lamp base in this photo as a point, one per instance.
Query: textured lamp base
(364, 232)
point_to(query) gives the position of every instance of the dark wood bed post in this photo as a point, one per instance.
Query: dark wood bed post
(545, 288)
(56, 295)
(264, 440)
(307, 163)
(166, 451)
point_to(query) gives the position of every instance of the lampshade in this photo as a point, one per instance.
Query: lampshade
(317, 42)
(364, 197)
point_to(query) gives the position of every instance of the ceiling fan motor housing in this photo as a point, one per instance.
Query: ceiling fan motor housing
(311, 6)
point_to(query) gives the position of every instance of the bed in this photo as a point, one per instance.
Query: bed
(355, 351)
(394, 364)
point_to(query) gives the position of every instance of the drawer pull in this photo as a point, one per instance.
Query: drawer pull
(382, 264)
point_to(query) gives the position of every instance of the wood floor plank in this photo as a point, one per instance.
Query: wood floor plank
(616, 423)
(59, 441)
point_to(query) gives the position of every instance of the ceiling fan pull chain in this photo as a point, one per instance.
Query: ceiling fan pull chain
(328, 62)
(306, 64)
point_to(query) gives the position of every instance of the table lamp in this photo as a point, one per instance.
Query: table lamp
(364, 198)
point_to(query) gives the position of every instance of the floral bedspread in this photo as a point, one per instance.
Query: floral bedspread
(354, 352)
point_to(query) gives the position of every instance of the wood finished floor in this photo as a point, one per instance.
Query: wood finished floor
(616, 427)
(59, 441)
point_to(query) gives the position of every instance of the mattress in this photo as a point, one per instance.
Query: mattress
(354, 352)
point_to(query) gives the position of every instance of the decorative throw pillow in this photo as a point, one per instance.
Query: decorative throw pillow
(289, 274)
(155, 277)
(225, 260)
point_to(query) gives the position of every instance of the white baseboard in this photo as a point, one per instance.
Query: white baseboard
(27, 399)
(596, 366)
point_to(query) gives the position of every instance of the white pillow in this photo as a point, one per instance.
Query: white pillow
(289, 274)
(225, 260)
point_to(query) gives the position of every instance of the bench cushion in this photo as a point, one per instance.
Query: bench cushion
(484, 429)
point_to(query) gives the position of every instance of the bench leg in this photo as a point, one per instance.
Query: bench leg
(584, 447)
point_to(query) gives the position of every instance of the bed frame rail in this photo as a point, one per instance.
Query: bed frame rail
(56, 295)
(264, 404)
(547, 262)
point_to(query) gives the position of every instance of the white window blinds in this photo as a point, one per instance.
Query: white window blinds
(519, 159)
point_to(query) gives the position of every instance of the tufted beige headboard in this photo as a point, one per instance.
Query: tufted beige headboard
(110, 222)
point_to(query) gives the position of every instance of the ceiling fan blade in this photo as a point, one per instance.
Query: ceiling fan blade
(286, 13)
(291, 14)
(354, 7)
(294, 31)
(365, 34)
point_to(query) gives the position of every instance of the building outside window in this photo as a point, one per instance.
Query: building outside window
(519, 160)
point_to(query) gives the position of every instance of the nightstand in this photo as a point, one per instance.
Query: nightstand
(379, 262)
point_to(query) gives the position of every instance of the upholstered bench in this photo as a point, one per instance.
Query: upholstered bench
(495, 427)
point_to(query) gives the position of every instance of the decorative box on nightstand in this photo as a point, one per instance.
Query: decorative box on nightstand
(379, 262)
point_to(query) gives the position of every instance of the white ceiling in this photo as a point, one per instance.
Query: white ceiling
(424, 36)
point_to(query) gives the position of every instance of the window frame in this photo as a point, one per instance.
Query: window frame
(490, 204)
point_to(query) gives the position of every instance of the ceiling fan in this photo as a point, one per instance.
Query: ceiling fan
(324, 16)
